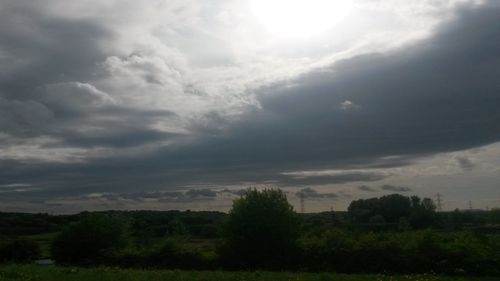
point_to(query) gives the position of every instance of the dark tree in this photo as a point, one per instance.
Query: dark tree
(423, 214)
(261, 231)
(363, 210)
(394, 206)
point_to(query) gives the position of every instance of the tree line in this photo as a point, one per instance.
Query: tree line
(262, 231)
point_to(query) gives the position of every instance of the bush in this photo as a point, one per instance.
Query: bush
(20, 251)
(91, 241)
(408, 252)
(171, 254)
(261, 231)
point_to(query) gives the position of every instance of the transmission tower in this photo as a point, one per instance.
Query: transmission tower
(439, 202)
(470, 204)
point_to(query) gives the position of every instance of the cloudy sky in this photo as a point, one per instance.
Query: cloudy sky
(180, 104)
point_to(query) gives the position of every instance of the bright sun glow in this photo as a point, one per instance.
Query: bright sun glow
(299, 18)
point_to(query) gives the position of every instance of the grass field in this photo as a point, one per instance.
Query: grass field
(53, 273)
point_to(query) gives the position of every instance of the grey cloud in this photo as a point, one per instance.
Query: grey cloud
(421, 99)
(366, 188)
(26, 117)
(389, 187)
(417, 101)
(345, 194)
(332, 179)
(312, 193)
(195, 193)
(439, 95)
(142, 196)
(44, 49)
(237, 192)
(465, 162)
(70, 98)
(118, 137)
(160, 196)
(51, 65)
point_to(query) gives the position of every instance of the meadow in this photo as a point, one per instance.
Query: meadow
(51, 273)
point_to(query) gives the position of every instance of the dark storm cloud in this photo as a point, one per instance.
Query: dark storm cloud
(441, 94)
(396, 188)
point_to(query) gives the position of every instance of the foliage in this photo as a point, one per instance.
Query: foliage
(22, 273)
(392, 209)
(29, 224)
(90, 240)
(261, 231)
(403, 252)
(19, 250)
(378, 235)
(170, 254)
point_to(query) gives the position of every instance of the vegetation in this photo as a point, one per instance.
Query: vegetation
(393, 234)
(394, 208)
(23, 273)
(20, 251)
(261, 231)
(91, 240)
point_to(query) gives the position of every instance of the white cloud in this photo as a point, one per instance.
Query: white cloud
(348, 105)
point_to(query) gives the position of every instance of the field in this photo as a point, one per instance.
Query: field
(53, 273)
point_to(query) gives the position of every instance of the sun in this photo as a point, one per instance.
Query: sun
(299, 18)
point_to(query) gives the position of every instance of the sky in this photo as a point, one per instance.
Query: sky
(182, 104)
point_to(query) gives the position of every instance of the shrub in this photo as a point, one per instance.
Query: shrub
(20, 251)
(91, 241)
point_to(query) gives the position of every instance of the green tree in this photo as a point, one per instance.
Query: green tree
(261, 231)
(394, 206)
(391, 207)
(423, 214)
(91, 240)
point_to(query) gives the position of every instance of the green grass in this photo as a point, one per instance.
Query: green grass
(53, 273)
